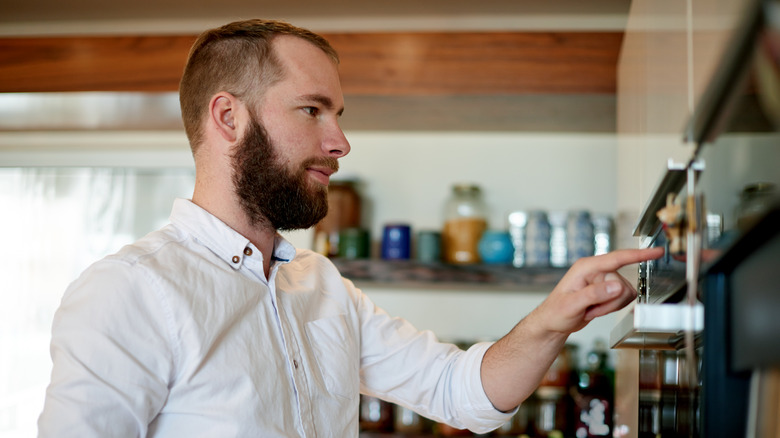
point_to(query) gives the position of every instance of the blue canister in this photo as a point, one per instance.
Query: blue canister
(396, 242)
(579, 236)
(537, 239)
(496, 248)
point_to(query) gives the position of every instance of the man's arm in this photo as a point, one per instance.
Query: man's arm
(514, 366)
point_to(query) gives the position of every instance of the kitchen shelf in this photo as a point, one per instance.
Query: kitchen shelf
(411, 274)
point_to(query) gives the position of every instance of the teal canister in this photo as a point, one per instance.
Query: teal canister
(428, 246)
(354, 243)
(496, 247)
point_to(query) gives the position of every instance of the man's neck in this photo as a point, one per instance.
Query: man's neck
(229, 212)
(263, 238)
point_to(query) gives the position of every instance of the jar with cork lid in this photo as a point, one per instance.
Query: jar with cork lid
(344, 212)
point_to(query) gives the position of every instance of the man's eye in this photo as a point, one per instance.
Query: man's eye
(311, 110)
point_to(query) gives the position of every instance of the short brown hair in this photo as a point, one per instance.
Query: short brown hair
(236, 58)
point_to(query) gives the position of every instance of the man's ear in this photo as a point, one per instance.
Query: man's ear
(223, 109)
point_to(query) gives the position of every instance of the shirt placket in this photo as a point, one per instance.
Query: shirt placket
(298, 367)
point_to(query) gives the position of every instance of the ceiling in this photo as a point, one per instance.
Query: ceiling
(43, 17)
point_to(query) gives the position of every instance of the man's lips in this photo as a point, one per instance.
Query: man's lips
(321, 168)
(321, 174)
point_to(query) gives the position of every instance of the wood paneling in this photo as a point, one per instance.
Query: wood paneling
(126, 63)
(478, 63)
(384, 64)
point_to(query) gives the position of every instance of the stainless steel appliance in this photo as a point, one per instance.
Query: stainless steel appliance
(701, 347)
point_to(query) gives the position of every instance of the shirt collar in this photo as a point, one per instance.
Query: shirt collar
(219, 238)
(284, 251)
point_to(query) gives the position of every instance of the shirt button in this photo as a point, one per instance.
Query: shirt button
(248, 251)
(236, 259)
(295, 364)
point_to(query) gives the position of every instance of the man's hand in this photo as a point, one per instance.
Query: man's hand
(513, 367)
(592, 287)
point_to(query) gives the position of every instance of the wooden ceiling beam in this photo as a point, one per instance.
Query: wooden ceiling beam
(372, 64)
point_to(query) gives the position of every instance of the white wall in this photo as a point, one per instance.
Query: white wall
(408, 176)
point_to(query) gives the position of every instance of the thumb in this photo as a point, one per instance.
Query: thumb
(610, 295)
(614, 284)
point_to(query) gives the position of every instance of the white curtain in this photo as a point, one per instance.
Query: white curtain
(54, 223)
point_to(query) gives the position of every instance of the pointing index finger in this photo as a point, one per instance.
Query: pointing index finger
(617, 259)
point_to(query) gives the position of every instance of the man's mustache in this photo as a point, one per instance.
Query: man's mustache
(327, 162)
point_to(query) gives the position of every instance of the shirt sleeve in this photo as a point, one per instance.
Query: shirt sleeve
(412, 368)
(111, 356)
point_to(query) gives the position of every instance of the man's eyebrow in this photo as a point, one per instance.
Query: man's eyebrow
(323, 100)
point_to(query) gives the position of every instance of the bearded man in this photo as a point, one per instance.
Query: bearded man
(215, 326)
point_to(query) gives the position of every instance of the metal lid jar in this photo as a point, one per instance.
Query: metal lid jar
(465, 219)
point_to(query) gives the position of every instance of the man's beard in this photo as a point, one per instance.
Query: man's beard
(270, 193)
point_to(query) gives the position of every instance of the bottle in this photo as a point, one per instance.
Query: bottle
(465, 219)
(521, 424)
(554, 404)
(594, 396)
(376, 415)
(407, 422)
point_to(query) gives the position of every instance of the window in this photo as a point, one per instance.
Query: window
(55, 222)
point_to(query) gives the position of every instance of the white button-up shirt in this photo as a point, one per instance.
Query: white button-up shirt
(181, 335)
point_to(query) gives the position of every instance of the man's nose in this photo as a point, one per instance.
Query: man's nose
(336, 143)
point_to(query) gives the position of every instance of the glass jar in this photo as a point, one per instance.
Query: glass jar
(344, 207)
(754, 201)
(465, 219)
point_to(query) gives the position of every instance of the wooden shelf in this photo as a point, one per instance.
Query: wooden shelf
(372, 63)
(410, 274)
